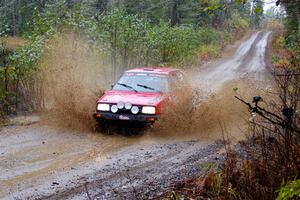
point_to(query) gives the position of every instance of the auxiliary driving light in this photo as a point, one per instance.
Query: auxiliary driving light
(135, 110)
(120, 105)
(128, 106)
(114, 108)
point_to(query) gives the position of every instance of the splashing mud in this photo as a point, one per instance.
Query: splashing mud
(187, 112)
(72, 76)
(198, 115)
(212, 116)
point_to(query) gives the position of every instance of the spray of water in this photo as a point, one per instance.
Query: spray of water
(194, 113)
(72, 76)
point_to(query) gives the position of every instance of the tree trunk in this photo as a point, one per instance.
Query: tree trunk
(42, 4)
(125, 58)
(6, 97)
(113, 51)
(101, 5)
(175, 17)
(14, 19)
(298, 17)
(17, 91)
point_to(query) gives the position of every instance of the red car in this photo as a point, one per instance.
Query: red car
(139, 95)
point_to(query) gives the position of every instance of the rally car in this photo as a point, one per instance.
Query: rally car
(140, 95)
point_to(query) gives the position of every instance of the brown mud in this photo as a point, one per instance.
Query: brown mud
(72, 76)
(59, 157)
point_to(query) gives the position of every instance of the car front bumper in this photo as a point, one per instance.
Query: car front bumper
(125, 117)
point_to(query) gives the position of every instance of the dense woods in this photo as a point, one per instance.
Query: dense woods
(16, 14)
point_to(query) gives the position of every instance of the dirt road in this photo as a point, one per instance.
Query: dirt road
(38, 161)
(248, 61)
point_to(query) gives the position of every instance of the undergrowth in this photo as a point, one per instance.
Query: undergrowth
(267, 164)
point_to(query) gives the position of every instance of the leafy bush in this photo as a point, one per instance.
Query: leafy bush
(124, 38)
(206, 52)
(208, 36)
(238, 23)
(290, 191)
(174, 44)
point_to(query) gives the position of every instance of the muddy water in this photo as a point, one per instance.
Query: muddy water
(31, 155)
(39, 160)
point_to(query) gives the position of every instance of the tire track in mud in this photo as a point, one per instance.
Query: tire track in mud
(133, 182)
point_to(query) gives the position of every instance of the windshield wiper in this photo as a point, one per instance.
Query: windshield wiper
(127, 86)
(146, 87)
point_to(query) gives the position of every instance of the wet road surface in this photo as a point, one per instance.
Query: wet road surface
(38, 161)
(248, 61)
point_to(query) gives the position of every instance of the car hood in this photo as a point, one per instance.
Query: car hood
(135, 98)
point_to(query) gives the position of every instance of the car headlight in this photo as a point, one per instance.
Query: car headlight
(103, 107)
(148, 110)
(135, 110)
(114, 108)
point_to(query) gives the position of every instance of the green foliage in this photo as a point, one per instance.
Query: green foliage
(206, 52)
(293, 41)
(174, 43)
(124, 35)
(14, 15)
(290, 191)
(280, 42)
(236, 21)
(181, 44)
(257, 12)
(287, 51)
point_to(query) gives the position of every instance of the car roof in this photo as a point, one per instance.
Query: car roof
(158, 70)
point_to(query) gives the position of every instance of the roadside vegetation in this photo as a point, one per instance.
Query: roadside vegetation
(267, 164)
(123, 34)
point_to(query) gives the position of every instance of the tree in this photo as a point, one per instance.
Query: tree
(293, 10)
(257, 12)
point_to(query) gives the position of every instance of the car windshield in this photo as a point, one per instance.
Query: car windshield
(142, 82)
